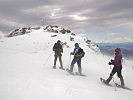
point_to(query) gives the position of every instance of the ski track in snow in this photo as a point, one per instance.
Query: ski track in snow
(26, 71)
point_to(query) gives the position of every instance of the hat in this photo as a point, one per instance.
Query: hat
(58, 41)
(117, 50)
(76, 45)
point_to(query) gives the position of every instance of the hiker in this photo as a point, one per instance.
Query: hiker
(57, 48)
(117, 67)
(78, 54)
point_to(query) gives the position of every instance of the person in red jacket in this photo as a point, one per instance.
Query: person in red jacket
(117, 67)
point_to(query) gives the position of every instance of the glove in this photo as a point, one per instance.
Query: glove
(110, 63)
(112, 60)
(71, 53)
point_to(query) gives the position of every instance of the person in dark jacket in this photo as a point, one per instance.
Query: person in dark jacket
(57, 48)
(76, 59)
(117, 67)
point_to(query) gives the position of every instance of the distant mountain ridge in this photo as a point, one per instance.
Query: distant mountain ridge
(126, 48)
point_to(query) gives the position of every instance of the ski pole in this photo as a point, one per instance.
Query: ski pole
(47, 59)
(110, 66)
(69, 61)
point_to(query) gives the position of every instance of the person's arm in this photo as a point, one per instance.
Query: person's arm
(61, 49)
(74, 51)
(54, 47)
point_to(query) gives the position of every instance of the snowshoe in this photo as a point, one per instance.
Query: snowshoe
(54, 67)
(69, 71)
(80, 74)
(123, 87)
(62, 68)
(104, 81)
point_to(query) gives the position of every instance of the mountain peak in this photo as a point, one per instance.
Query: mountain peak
(48, 28)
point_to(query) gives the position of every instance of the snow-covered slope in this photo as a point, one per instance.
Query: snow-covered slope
(26, 70)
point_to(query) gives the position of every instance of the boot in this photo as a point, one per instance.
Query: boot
(71, 69)
(62, 68)
(70, 72)
(54, 67)
(108, 80)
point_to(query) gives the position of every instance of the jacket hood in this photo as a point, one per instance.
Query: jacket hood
(118, 50)
(76, 45)
(58, 41)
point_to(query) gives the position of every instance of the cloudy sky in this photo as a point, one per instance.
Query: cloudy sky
(101, 20)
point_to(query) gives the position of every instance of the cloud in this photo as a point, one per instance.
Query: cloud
(2, 34)
(119, 39)
(79, 14)
(11, 23)
(112, 34)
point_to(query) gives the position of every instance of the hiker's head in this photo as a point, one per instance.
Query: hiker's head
(58, 41)
(117, 50)
(76, 45)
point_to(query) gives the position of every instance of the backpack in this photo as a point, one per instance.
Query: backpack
(57, 48)
(80, 53)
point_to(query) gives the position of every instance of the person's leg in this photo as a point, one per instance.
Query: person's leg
(79, 66)
(111, 75)
(72, 64)
(55, 59)
(120, 76)
(61, 65)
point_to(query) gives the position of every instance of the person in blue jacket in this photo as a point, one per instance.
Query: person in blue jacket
(76, 59)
